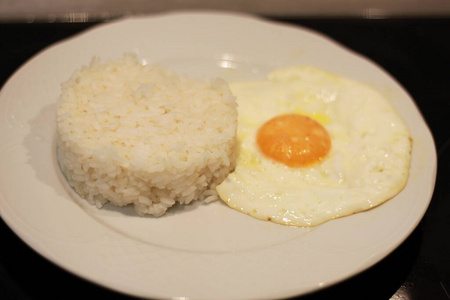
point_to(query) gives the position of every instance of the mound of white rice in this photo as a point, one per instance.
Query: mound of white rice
(132, 134)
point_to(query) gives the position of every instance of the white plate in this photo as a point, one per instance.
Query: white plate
(201, 251)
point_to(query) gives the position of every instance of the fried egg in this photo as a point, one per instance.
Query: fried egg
(314, 146)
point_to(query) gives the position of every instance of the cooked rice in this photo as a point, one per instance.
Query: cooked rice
(133, 134)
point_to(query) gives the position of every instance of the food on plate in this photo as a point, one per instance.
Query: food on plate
(134, 134)
(314, 146)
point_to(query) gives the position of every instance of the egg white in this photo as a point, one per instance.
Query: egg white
(368, 162)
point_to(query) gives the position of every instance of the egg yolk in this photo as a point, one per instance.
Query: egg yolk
(295, 140)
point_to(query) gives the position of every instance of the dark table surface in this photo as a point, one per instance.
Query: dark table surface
(416, 51)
